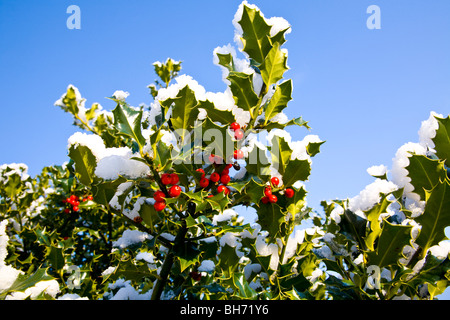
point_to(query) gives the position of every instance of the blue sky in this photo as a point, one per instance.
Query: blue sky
(363, 91)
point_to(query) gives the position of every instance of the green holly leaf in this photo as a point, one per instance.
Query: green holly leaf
(187, 255)
(184, 112)
(104, 191)
(442, 140)
(130, 271)
(281, 154)
(279, 100)
(127, 121)
(436, 216)
(56, 257)
(373, 215)
(149, 215)
(228, 259)
(70, 101)
(297, 202)
(425, 173)
(274, 65)
(85, 163)
(221, 144)
(244, 290)
(222, 116)
(255, 36)
(242, 89)
(296, 170)
(313, 148)
(271, 219)
(25, 281)
(168, 70)
(257, 163)
(276, 125)
(162, 153)
(226, 60)
(390, 244)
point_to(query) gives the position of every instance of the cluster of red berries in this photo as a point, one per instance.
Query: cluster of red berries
(74, 201)
(270, 197)
(174, 191)
(223, 177)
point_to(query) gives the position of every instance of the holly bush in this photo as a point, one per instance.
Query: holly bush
(147, 207)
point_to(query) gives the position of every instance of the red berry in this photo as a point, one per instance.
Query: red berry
(275, 181)
(175, 178)
(66, 210)
(225, 171)
(76, 203)
(215, 177)
(175, 191)
(201, 171)
(268, 191)
(159, 196)
(265, 199)
(238, 154)
(238, 134)
(225, 179)
(159, 205)
(90, 198)
(228, 166)
(195, 276)
(235, 126)
(273, 198)
(204, 182)
(75, 208)
(166, 179)
(289, 193)
(223, 189)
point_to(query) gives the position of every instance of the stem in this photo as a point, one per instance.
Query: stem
(168, 263)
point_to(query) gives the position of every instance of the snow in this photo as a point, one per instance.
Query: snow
(368, 197)
(427, 131)
(130, 237)
(226, 215)
(377, 171)
(120, 95)
(207, 266)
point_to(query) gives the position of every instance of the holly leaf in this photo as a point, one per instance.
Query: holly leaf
(221, 144)
(70, 101)
(390, 244)
(373, 215)
(223, 116)
(149, 215)
(255, 35)
(276, 125)
(279, 100)
(242, 89)
(127, 121)
(243, 288)
(274, 65)
(436, 216)
(25, 281)
(228, 259)
(442, 140)
(184, 112)
(85, 163)
(281, 154)
(425, 173)
(296, 170)
(258, 163)
(271, 219)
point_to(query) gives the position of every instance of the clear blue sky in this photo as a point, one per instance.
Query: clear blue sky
(363, 91)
